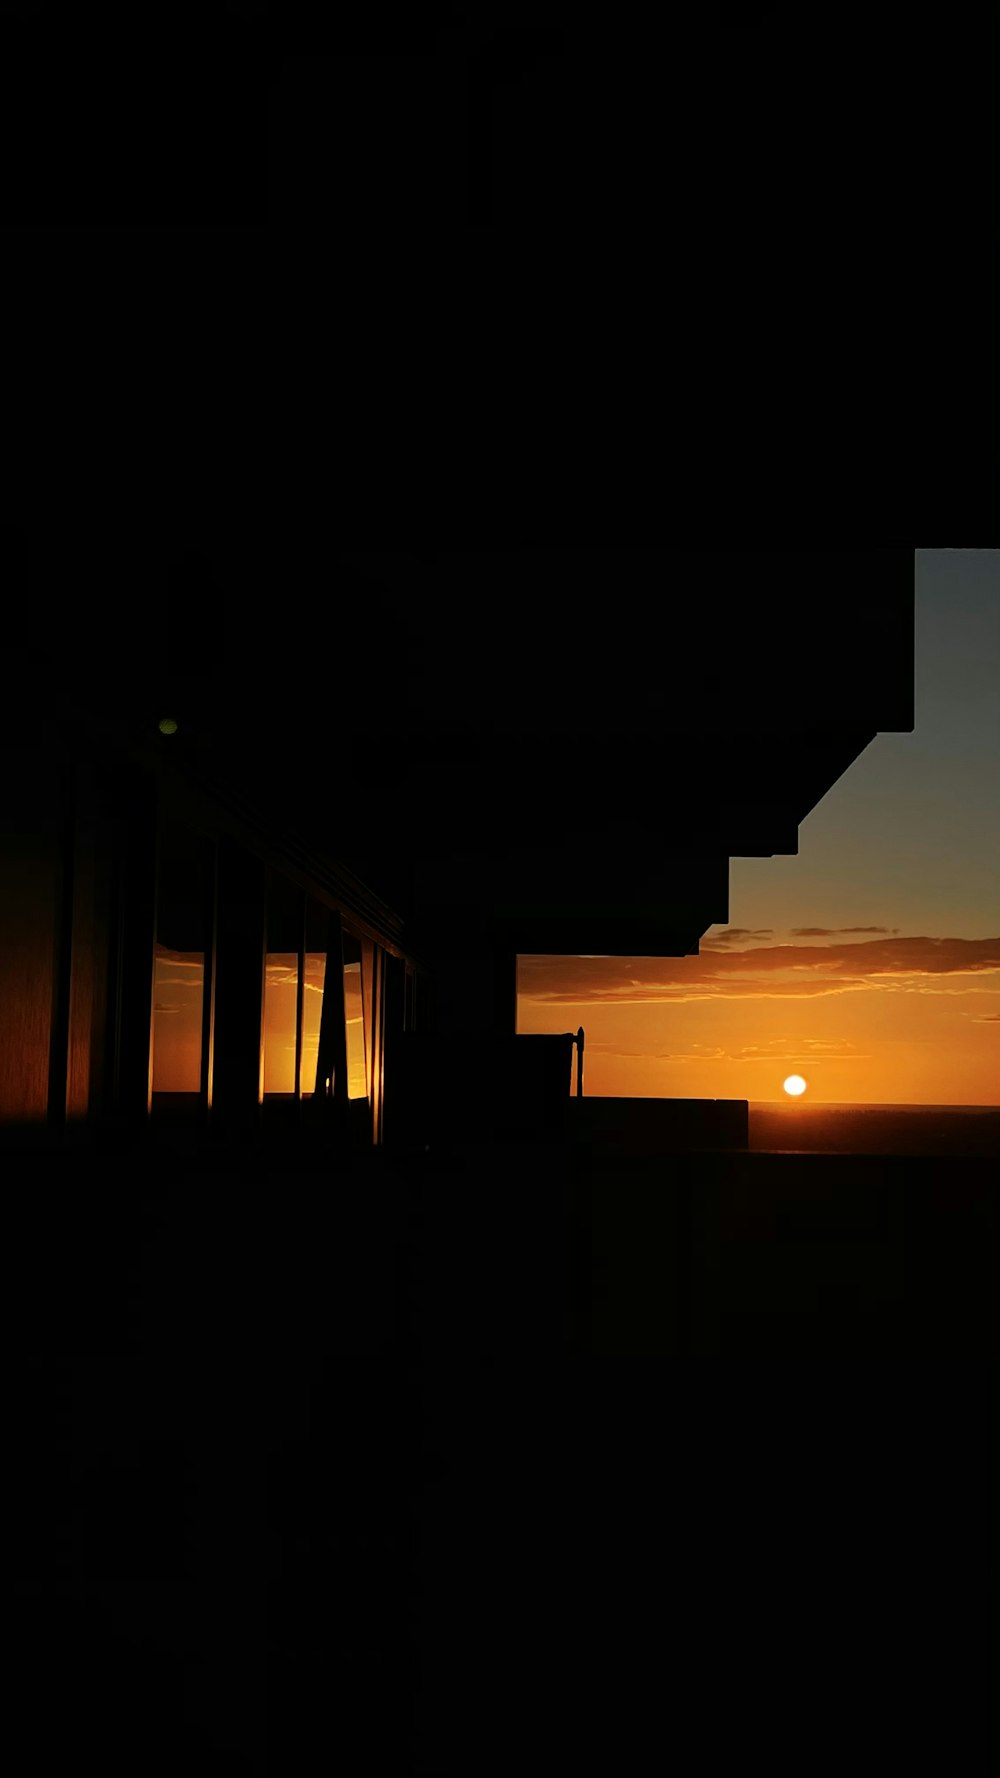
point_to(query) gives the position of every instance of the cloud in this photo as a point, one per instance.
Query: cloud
(985, 1018)
(696, 1052)
(733, 933)
(790, 971)
(803, 1049)
(778, 1049)
(813, 1047)
(833, 931)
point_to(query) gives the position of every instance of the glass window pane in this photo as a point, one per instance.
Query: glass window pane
(178, 996)
(179, 961)
(280, 1003)
(357, 1079)
(368, 949)
(281, 980)
(312, 1013)
(354, 1013)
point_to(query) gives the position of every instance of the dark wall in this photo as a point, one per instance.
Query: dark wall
(149, 122)
(77, 899)
(30, 909)
(88, 951)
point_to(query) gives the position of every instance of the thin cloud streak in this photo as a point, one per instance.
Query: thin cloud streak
(836, 931)
(889, 965)
(732, 933)
(799, 1053)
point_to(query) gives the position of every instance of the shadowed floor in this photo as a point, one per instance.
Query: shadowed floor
(506, 1462)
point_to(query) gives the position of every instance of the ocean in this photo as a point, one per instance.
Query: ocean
(876, 1129)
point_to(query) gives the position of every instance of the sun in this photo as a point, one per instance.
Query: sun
(795, 1085)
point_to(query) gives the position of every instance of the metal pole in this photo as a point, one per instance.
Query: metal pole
(579, 1063)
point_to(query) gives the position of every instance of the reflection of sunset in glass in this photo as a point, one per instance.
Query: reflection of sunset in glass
(312, 1012)
(178, 988)
(280, 1003)
(357, 1079)
(280, 1008)
(795, 1085)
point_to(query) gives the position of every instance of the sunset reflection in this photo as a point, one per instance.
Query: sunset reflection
(312, 1012)
(357, 1077)
(280, 1003)
(178, 990)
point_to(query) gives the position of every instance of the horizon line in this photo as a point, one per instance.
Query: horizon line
(869, 1105)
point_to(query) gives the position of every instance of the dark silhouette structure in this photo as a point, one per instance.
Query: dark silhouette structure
(510, 776)
(368, 1399)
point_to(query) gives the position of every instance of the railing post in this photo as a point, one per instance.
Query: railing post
(579, 1063)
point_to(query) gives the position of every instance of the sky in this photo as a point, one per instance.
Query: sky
(870, 963)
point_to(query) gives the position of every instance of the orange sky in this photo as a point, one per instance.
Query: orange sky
(865, 1020)
(866, 963)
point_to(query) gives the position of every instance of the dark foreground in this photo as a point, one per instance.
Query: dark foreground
(516, 1462)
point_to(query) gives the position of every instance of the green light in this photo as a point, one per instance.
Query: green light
(168, 726)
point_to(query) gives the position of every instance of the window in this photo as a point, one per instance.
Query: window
(314, 977)
(179, 989)
(354, 1013)
(281, 990)
(295, 982)
(294, 985)
(281, 987)
(183, 889)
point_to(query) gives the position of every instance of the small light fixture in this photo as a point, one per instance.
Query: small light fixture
(168, 726)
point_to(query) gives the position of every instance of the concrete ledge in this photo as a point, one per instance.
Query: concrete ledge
(658, 1126)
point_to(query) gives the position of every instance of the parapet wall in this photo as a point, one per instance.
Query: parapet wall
(658, 1126)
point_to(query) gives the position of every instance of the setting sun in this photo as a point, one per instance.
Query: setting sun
(795, 1085)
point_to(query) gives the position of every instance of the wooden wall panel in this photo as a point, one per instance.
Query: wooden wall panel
(32, 813)
(29, 866)
(83, 952)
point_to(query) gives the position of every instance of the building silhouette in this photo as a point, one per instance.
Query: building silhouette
(538, 755)
(361, 1404)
